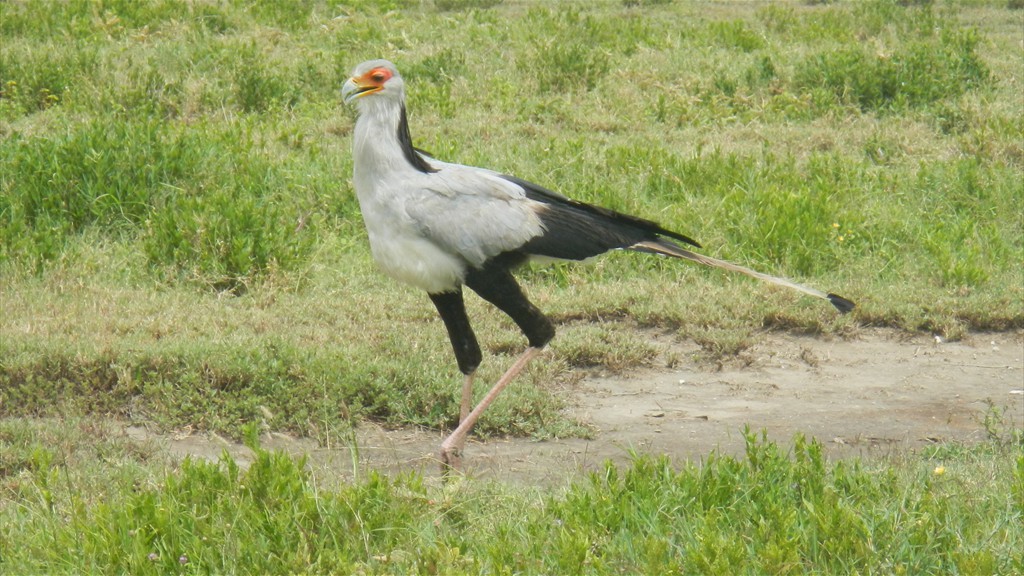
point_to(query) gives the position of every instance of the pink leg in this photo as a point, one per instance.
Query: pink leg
(451, 448)
(467, 398)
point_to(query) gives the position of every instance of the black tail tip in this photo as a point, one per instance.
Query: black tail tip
(841, 304)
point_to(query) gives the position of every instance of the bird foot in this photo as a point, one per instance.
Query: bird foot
(451, 459)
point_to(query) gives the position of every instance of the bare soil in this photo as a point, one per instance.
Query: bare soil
(875, 394)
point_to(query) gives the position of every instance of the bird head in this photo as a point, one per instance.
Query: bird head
(376, 78)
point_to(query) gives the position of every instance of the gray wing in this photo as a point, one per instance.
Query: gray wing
(473, 213)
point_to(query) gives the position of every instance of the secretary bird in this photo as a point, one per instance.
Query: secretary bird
(440, 226)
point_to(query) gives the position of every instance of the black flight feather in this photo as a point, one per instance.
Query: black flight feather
(576, 230)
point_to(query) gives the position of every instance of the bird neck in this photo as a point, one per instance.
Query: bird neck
(382, 140)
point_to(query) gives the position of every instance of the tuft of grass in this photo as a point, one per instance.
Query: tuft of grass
(223, 241)
(916, 75)
(123, 177)
(736, 34)
(567, 62)
(454, 5)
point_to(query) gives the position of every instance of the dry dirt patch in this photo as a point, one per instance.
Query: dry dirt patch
(879, 392)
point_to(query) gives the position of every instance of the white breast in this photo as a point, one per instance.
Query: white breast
(417, 262)
(398, 246)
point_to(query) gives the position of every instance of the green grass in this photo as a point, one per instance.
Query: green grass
(81, 498)
(180, 247)
(179, 241)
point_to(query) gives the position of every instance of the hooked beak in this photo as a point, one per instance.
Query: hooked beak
(352, 89)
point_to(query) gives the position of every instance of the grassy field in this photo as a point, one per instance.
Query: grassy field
(180, 247)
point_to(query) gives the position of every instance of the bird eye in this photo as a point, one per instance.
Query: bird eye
(380, 75)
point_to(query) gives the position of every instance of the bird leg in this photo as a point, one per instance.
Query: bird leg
(451, 448)
(467, 397)
(467, 351)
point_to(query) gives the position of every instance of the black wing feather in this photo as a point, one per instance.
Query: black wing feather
(576, 230)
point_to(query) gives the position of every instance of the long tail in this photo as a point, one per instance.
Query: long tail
(668, 248)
